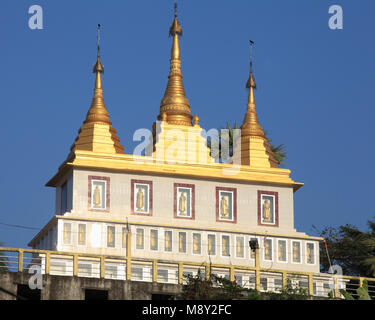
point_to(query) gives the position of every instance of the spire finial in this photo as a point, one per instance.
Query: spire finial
(175, 27)
(98, 37)
(251, 81)
(98, 67)
(251, 55)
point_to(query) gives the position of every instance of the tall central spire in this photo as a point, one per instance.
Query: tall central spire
(175, 103)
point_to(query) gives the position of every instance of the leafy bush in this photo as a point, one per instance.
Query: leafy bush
(362, 292)
(200, 288)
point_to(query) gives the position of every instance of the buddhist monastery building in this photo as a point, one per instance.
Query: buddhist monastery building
(175, 204)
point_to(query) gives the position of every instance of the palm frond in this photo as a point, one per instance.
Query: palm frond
(279, 151)
(369, 264)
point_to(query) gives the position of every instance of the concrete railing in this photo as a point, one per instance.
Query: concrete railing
(165, 271)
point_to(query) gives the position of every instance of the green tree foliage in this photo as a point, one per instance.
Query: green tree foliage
(362, 293)
(290, 292)
(199, 288)
(278, 151)
(223, 140)
(350, 248)
(215, 288)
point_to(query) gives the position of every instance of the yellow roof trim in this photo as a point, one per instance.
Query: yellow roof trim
(148, 165)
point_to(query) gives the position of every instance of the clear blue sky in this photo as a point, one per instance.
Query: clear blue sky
(315, 91)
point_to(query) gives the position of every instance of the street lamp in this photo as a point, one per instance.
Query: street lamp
(253, 243)
(254, 246)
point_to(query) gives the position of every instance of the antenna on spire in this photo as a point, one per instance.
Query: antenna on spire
(98, 67)
(251, 55)
(251, 81)
(98, 37)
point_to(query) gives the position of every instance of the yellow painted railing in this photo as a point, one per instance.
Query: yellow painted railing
(21, 260)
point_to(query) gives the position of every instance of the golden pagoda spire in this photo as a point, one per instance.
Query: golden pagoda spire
(251, 124)
(98, 111)
(175, 103)
(97, 133)
(255, 148)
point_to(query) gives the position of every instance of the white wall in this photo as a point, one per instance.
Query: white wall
(205, 202)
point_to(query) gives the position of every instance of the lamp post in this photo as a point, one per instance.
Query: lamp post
(128, 251)
(254, 246)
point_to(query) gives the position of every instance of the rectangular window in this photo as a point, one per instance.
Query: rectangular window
(84, 269)
(168, 241)
(124, 237)
(67, 233)
(111, 236)
(98, 194)
(225, 246)
(111, 272)
(239, 279)
(281, 251)
(184, 201)
(263, 284)
(240, 252)
(296, 249)
(64, 197)
(41, 241)
(162, 275)
(278, 284)
(137, 274)
(226, 205)
(140, 241)
(310, 256)
(141, 197)
(81, 234)
(211, 239)
(303, 285)
(182, 242)
(252, 282)
(196, 243)
(268, 211)
(58, 268)
(268, 249)
(96, 236)
(154, 239)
